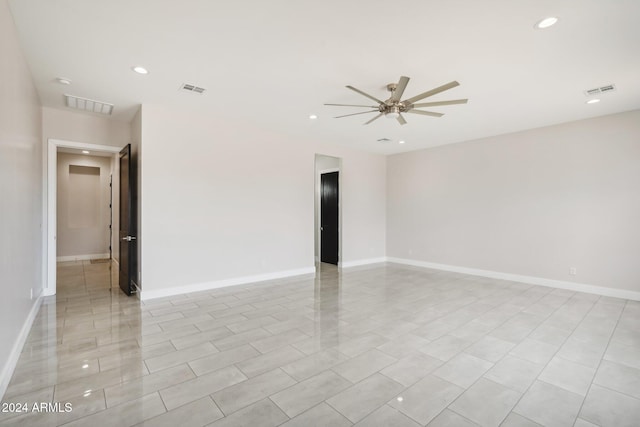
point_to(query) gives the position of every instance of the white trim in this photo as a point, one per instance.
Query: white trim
(49, 220)
(197, 287)
(359, 262)
(14, 355)
(532, 280)
(81, 257)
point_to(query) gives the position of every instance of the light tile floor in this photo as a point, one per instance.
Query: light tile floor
(384, 345)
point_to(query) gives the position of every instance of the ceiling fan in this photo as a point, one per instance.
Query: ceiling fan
(393, 107)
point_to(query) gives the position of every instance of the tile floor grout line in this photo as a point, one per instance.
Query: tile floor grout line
(442, 410)
(595, 303)
(461, 415)
(545, 366)
(601, 359)
(614, 390)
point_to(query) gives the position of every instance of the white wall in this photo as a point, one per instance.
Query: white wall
(83, 230)
(21, 195)
(533, 203)
(224, 200)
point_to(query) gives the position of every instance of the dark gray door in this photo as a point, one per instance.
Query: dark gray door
(329, 217)
(128, 229)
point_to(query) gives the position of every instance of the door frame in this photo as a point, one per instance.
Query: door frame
(319, 212)
(49, 223)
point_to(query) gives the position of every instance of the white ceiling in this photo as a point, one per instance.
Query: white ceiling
(275, 62)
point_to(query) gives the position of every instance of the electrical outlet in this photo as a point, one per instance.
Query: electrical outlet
(573, 271)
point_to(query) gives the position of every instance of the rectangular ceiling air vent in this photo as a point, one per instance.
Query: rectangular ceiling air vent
(384, 140)
(90, 105)
(599, 90)
(192, 88)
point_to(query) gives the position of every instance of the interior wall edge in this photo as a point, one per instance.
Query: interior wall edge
(531, 280)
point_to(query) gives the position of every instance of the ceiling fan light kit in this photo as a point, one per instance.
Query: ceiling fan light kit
(392, 113)
(393, 108)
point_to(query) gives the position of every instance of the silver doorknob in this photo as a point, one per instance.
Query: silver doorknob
(129, 238)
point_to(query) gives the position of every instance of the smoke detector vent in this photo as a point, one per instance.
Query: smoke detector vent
(90, 105)
(192, 88)
(599, 90)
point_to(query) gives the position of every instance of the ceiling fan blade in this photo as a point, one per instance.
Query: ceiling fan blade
(434, 104)
(431, 92)
(355, 114)
(350, 105)
(425, 113)
(400, 87)
(365, 94)
(401, 120)
(375, 118)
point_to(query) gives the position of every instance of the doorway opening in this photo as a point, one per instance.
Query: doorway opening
(328, 212)
(81, 211)
(84, 212)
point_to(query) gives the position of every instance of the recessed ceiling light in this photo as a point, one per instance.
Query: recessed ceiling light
(593, 101)
(313, 116)
(399, 398)
(63, 81)
(85, 152)
(546, 22)
(400, 142)
(140, 70)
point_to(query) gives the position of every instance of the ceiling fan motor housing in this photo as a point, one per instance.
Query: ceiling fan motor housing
(392, 108)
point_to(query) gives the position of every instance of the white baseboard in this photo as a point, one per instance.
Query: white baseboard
(197, 287)
(572, 286)
(359, 262)
(81, 257)
(10, 365)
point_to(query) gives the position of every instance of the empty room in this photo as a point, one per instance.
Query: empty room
(325, 214)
